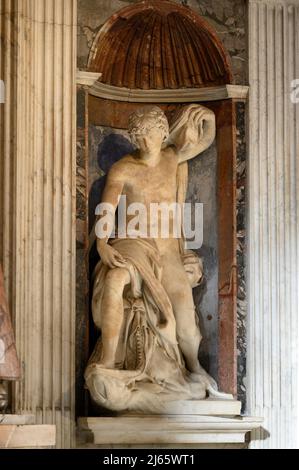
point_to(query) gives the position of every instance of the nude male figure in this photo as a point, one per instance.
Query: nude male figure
(150, 176)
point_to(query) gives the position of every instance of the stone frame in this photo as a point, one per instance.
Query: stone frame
(100, 111)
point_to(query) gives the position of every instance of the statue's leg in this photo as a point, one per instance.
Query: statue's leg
(112, 314)
(177, 286)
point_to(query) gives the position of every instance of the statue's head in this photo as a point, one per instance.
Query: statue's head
(148, 127)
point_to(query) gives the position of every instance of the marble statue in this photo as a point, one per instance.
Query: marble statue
(142, 301)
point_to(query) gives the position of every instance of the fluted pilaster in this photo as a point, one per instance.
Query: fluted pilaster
(273, 222)
(7, 145)
(40, 249)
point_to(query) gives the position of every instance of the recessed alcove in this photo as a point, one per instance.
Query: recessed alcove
(145, 54)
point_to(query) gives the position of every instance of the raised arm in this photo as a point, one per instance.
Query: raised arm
(193, 131)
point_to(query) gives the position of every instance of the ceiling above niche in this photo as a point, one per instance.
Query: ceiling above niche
(159, 45)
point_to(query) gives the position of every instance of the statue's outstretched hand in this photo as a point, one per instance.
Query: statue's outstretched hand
(111, 257)
(193, 131)
(202, 117)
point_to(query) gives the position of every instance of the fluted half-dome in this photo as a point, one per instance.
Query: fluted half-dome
(155, 45)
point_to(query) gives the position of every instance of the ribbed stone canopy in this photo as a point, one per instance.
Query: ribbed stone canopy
(156, 45)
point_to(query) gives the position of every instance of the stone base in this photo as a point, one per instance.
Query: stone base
(20, 432)
(208, 407)
(171, 431)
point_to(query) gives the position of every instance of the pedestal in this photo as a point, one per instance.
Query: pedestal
(206, 423)
(20, 432)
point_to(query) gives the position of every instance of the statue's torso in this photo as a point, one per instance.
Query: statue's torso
(145, 184)
(151, 186)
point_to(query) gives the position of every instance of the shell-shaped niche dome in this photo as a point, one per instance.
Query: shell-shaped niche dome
(154, 45)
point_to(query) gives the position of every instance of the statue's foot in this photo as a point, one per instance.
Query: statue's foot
(200, 375)
(211, 386)
(220, 395)
(205, 380)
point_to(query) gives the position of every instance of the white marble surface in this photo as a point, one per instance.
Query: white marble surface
(208, 407)
(185, 95)
(171, 430)
(273, 277)
(39, 200)
(27, 436)
(87, 78)
(17, 419)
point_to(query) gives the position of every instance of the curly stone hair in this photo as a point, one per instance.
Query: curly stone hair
(145, 119)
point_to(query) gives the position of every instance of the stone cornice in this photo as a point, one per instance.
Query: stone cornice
(275, 2)
(184, 95)
(87, 78)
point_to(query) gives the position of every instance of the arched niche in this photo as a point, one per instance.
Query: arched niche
(160, 52)
(158, 45)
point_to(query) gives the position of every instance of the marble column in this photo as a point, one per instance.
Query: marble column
(38, 201)
(7, 144)
(273, 221)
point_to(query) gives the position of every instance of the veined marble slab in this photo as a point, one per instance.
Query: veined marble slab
(210, 407)
(27, 436)
(17, 419)
(143, 430)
